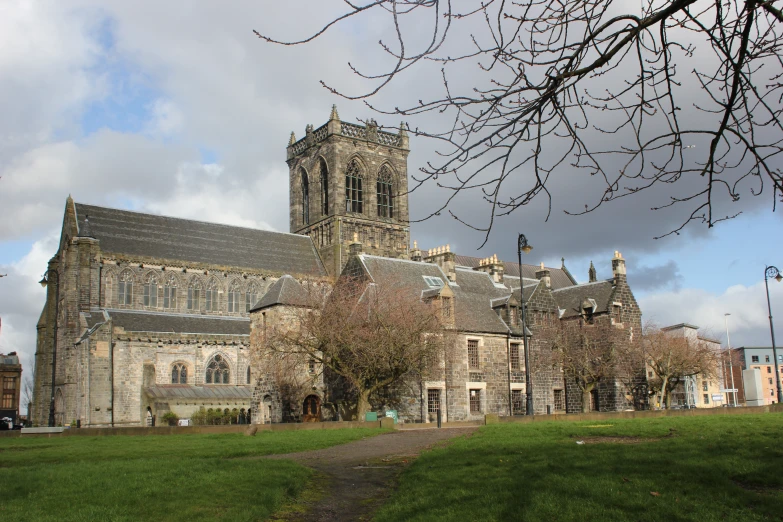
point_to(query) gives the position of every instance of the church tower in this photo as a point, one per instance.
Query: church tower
(350, 181)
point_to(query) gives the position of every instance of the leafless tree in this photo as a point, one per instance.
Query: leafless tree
(635, 94)
(372, 337)
(673, 358)
(588, 355)
(28, 387)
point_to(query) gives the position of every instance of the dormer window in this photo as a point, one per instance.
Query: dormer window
(433, 282)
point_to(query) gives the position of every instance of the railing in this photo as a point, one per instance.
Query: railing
(349, 130)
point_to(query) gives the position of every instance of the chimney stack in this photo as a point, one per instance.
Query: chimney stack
(415, 252)
(618, 267)
(544, 275)
(445, 259)
(490, 265)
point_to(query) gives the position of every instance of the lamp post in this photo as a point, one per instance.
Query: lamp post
(772, 272)
(731, 368)
(523, 246)
(44, 282)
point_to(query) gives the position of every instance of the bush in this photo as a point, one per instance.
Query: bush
(171, 418)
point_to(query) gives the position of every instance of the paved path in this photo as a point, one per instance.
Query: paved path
(362, 474)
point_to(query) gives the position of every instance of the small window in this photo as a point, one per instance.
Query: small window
(248, 374)
(770, 382)
(517, 404)
(475, 401)
(650, 374)
(766, 358)
(446, 307)
(514, 356)
(433, 400)
(179, 374)
(434, 282)
(560, 400)
(704, 386)
(769, 369)
(473, 355)
(754, 358)
(311, 366)
(513, 316)
(706, 397)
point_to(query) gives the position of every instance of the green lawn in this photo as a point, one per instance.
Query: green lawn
(176, 477)
(709, 468)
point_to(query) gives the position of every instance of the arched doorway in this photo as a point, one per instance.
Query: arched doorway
(311, 409)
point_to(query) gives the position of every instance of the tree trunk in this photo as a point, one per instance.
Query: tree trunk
(586, 397)
(664, 393)
(362, 404)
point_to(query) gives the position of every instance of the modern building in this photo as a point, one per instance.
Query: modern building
(11, 378)
(762, 359)
(703, 390)
(148, 314)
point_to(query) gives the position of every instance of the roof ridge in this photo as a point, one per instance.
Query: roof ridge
(582, 285)
(194, 220)
(174, 314)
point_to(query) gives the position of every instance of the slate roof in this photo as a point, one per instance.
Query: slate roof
(571, 299)
(187, 391)
(285, 291)
(560, 277)
(139, 321)
(473, 291)
(148, 235)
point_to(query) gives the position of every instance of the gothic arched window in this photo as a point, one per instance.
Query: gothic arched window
(248, 374)
(353, 187)
(251, 296)
(151, 291)
(125, 288)
(217, 370)
(194, 294)
(324, 187)
(179, 374)
(212, 296)
(305, 197)
(384, 192)
(234, 295)
(170, 292)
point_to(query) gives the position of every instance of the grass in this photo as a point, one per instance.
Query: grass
(708, 468)
(177, 477)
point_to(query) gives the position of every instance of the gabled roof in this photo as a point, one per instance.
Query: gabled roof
(571, 299)
(286, 291)
(155, 322)
(560, 277)
(174, 239)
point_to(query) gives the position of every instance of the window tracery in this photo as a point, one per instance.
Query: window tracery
(251, 296)
(179, 374)
(217, 370)
(194, 294)
(384, 193)
(212, 296)
(353, 187)
(150, 291)
(170, 292)
(125, 288)
(234, 296)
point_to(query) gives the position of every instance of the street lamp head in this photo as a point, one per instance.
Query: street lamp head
(527, 248)
(43, 282)
(523, 245)
(779, 277)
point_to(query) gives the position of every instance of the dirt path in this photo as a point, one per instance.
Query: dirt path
(360, 475)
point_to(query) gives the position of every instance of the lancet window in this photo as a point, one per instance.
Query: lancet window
(179, 374)
(384, 193)
(234, 297)
(211, 296)
(125, 289)
(251, 296)
(194, 294)
(324, 187)
(305, 197)
(353, 187)
(150, 290)
(170, 292)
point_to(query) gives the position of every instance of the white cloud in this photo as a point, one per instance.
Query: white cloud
(748, 323)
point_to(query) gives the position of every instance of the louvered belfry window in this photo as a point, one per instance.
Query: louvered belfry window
(353, 188)
(384, 193)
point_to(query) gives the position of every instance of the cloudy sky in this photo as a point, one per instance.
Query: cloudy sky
(179, 111)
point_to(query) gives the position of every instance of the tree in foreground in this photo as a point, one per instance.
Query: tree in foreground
(369, 336)
(589, 355)
(672, 359)
(683, 94)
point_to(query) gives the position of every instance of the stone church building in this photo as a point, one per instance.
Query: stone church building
(148, 314)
